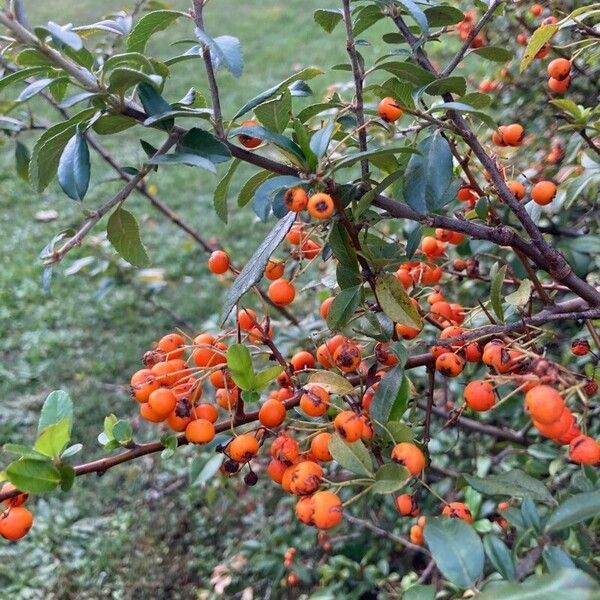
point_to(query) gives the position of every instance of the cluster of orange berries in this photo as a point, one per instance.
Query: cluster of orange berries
(15, 519)
(465, 27)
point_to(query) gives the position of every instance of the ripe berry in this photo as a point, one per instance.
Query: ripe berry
(246, 318)
(315, 401)
(517, 189)
(559, 86)
(147, 413)
(208, 352)
(458, 510)
(449, 364)
(172, 345)
(558, 428)
(320, 206)
(325, 306)
(200, 431)
(303, 360)
(282, 292)
(15, 500)
(15, 523)
(348, 425)
(218, 262)
(479, 395)
(162, 402)
(296, 199)
(310, 249)
(347, 357)
(243, 448)
(580, 347)
(389, 110)
(274, 269)
(583, 450)
(276, 469)
(407, 332)
(416, 535)
(559, 68)
(247, 140)
(227, 398)
(306, 477)
(143, 383)
(284, 449)
(543, 192)
(305, 508)
(327, 510)
(319, 447)
(544, 404)
(407, 505)
(410, 456)
(251, 478)
(272, 413)
(296, 235)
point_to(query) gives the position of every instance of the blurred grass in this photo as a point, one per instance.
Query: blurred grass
(119, 536)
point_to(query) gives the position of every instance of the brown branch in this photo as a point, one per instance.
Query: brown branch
(429, 406)
(589, 141)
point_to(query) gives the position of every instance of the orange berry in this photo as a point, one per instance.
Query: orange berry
(200, 431)
(543, 192)
(282, 292)
(227, 398)
(221, 379)
(449, 364)
(295, 199)
(405, 278)
(284, 449)
(458, 510)
(310, 249)
(247, 140)
(442, 309)
(272, 413)
(325, 306)
(218, 262)
(479, 395)
(383, 354)
(296, 234)
(143, 383)
(276, 469)
(513, 134)
(172, 345)
(522, 39)
(544, 404)
(147, 413)
(162, 402)
(467, 194)
(320, 206)
(305, 509)
(303, 360)
(314, 401)
(583, 450)
(178, 423)
(429, 246)
(459, 264)
(517, 189)
(208, 352)
(536, 10)
(558, 428)
(327, 510)
(246, 319)
(15, 500)
(306, 477)
(559, 68)
(410, 456)
(348, 425)
(274, 269)
(559, 86)
(243, 448)
(324, 356)
(319, 447)
(389, 110)
(544, 50)
(407, 505)
(416, 535)
(347, 357)
(456, 238)
(15, 523)
(407, 332)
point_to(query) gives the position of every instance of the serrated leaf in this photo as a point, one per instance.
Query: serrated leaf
(225, 50)
(456, 549)
(23, 450)
(148, 25)
(537, 40)
(354, 457)
(328, 18)
(122, 431)
(239, 363)
(520, 297)
(512, 483)
(33, 476)
(390, 478)
(74, 167)
(20, 75)
(249, 188)
(497, 276)
(573, 510)
(493, 53)
(395, 302)
(154, 104)
(332, 382)
(500, 556)
(124, 234)
(453, 85)
(264, 377)
(254, 268)
(54, 438)
(343, 307)
(57, 406)
(275, 114)
(222, 190)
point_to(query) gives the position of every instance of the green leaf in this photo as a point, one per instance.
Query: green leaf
(367, 198)
(123, 78)
(33, 476)
(332, 382)
(497, 276)
(67, 477)
(456, 549)
(539, 37)
(443, 15)
(37, 86)
(303, 75)
(252, 272)
(420, 592)
(203, 469)
(493, 53)
(556, 559)
(148, 25)
(407, 71)
(109, 124)
(390, 478)
(222, 190)
(566, 584)
(275, 114)
(453, 85)
(413, 239)
(22, 160)
(122, 431)
(500, 556)
(154, 104)
(239, 362)
(183, 158)
(352, 159)
(54, 438)
(343, 307)
(388, 396)
(249, 188)
(124, 234)
(20, 75)
(417, 14)
(57, 406)
(513, 483)
(264, 377)
(267, 193)
(520, 297)
(354, 457)
(573, 510)
(319, 142)
(395, 302)
(429, 175)
(282, 142)
(328, 18)
(74, 167)
(225, 50)
(347, 270)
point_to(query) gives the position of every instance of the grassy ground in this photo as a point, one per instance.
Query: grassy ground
(123, 536)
